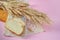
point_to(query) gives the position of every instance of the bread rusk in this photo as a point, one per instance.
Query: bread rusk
(16, 26)
(3, 15)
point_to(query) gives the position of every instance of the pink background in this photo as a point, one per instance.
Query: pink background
(52, 9)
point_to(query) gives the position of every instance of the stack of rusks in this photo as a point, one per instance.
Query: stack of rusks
(20, 19)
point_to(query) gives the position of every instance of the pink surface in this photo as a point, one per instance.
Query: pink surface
(52, 8)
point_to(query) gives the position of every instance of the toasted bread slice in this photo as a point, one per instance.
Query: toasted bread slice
(16, 26)
(3, 15)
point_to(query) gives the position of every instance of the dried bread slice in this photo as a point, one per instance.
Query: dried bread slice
(16, 26)
(3, 15)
